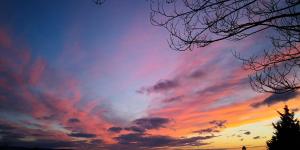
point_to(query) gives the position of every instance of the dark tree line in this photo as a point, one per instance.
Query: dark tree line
(199, 23)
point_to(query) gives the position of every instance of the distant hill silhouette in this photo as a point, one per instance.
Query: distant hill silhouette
(26, 148)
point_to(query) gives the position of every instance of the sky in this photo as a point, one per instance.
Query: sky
(82, 76)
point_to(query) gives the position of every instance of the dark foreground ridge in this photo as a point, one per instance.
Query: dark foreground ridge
(26, 148)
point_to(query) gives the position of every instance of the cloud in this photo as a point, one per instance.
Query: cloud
(276, 98)
(19, 136)
(5, 127)
(173, 99)
(223, 86)
(256, 137)
(241, 133)
(151, 123)
(193, 141)
(135, 129)
(142, 140)
(73, 120)
(37, 70)
(82, 135)
(152, 141)
(160, 86)
(8, 132)
(141, 125)
(43, 98)
(115, 129)
(197, 74)
(207, 130)
(295, 109)
(247, 133)
(219, 123)
(5, 39)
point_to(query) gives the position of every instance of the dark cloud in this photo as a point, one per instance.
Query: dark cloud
(216, 125)
(219, 123)
(247, 133)
(193, 141)
(197, 74)
(275, 98)
(151, 123)
(295, 109)
(9, 132)
(256, 137)
(142, 140)
(82, 135)
(135, 129)
(241, 134)
(96, 141)
(207, 130)
(115, 129)
(143, 124)
(48, 117)
(151, 141)
(165, 85)
(160, 86)
(173, 99)
(11, 135)
(14, 135)
(4, 127)
(73, 120)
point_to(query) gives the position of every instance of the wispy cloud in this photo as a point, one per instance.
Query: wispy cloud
(160, 86)
(276, 98)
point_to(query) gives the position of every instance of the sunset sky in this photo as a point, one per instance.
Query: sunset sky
(83, 76)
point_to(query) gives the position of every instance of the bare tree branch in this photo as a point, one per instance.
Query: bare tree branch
(199, 23)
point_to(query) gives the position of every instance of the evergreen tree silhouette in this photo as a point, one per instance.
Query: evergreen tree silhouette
(287, 132)
(244, 148)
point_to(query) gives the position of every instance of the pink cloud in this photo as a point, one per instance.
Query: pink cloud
(5, 39)
(37, 71)
(48, 95)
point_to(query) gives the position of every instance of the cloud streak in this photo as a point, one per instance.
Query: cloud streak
(276, 98)
(153, 141)
(151, 123)
(82, 135)
(160, 86)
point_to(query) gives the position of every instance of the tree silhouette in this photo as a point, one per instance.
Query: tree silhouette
(199, 23)
(244, 148)
(287, 132)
